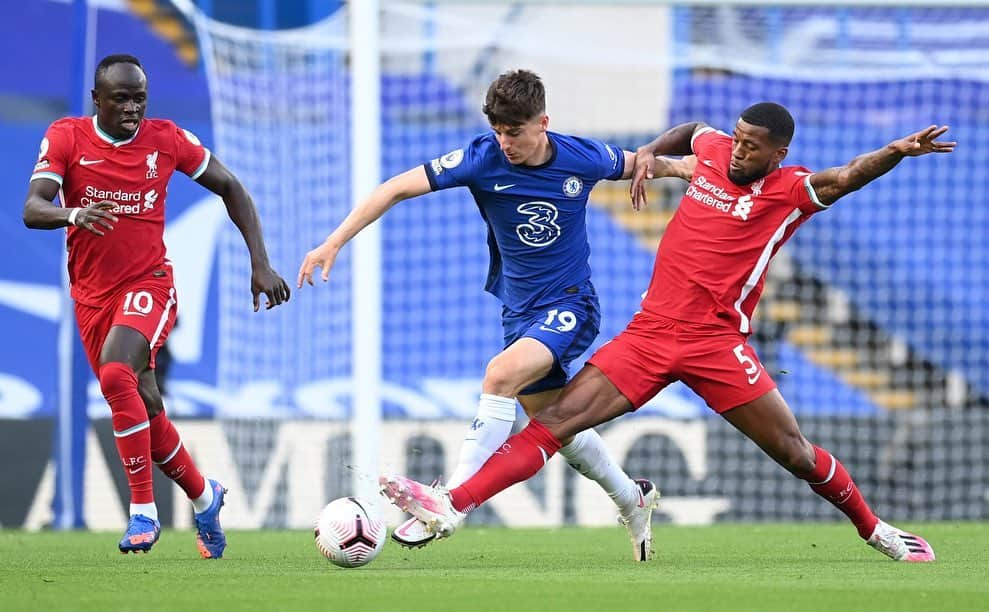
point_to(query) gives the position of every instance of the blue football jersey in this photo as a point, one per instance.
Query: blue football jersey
(536, 215)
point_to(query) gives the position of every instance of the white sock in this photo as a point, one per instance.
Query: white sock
(588, 455)
(148, 510)
(490, 429)
(201, 503)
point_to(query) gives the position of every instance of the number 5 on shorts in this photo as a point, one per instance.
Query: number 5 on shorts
(751, 369)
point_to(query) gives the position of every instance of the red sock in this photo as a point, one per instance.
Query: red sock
(168, 452)
(830, 480)
(131, 430)
(520, 457)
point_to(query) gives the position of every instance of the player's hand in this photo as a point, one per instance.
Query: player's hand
(97, 217)
(645, 168)
(265, 280)
(924, 142)
(322, 256)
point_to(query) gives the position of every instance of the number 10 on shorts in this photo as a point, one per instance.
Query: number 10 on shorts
(751, 368)
(138, 303)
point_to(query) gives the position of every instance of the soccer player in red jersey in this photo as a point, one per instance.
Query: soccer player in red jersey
(111, 174)
(740, 208)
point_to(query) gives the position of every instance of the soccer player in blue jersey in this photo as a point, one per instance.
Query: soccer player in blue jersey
(531, 186)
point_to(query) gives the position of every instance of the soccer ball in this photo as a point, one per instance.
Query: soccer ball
(348, 533)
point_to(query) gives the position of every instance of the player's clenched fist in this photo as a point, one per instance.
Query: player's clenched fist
(96, 218)
(322, 256)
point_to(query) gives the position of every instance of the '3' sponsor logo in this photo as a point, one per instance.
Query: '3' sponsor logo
(541, 229)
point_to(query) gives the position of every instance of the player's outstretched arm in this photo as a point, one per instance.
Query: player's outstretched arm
(833, 183)
(218, 179)
(409, 184)
(41, 213)
(674, 141)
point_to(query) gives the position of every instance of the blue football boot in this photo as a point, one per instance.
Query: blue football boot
(142, 533)
(209, 533)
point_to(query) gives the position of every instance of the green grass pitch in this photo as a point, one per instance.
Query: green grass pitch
(726, 567)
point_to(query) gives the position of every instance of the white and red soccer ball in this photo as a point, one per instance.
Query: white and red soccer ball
(348, 532)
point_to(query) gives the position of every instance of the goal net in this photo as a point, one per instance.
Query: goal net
(872, 322)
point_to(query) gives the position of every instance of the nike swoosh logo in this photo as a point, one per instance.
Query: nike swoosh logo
(498, 187)
(135, 471)
(708, 162)
(403, 529)
(89, 162)
(549, 329)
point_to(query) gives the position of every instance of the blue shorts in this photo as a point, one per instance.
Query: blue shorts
(566, 326)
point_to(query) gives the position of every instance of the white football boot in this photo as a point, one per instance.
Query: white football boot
(431, 505)
(639, 521)
(900, 545)
(413, 533)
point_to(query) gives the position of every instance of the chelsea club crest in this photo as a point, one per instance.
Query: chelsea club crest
(572, 187)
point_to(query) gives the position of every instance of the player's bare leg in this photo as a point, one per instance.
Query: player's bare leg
(519, 365)
(587, 453)
(769, 422)
(523, 363)
(516, 367)
(588, 400)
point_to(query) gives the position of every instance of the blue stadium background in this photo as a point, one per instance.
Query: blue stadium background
(930, 246)
(908, 255)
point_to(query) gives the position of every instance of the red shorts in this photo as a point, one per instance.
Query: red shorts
(652, 352)
(146, 304)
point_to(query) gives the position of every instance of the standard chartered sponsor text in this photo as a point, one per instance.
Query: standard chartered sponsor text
(708, 199)
(94, 195)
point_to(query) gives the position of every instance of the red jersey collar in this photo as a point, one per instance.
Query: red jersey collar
(110, 139)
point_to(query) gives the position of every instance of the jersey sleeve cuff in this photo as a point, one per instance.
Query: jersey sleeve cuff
(617, 175)
(47, 175)
(202, 166)
(813, 194)
(428, 167)
(700, 132)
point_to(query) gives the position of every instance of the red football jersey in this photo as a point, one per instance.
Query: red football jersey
(91, 166)
(712, 261)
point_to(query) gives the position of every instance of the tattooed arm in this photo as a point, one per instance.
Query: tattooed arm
(833, 183)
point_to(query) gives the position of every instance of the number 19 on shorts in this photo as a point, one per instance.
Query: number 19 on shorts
(561, 321)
